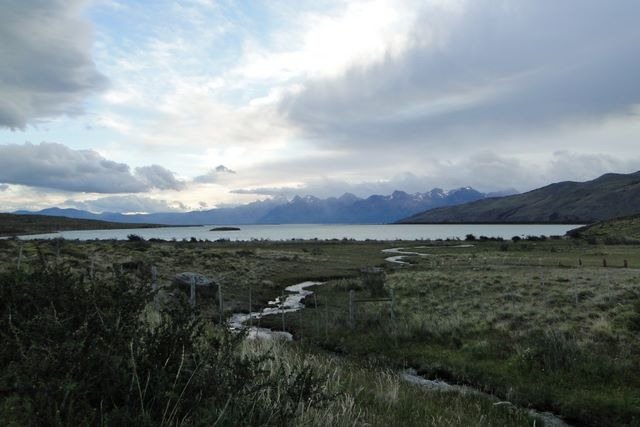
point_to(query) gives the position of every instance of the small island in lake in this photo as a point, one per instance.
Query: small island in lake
(225, 229)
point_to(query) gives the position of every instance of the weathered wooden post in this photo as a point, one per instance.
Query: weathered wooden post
(192, 295)
(626, 264)
(250, 307)
(19, 262)
(392, 294)
(315, 303)
(220, 303)
(326, 322)
(351, 320)
(154, 277)
(301, 327)
(282, 311)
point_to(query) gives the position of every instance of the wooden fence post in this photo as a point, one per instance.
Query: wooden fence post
(393, 305)
(284, 324)
(154, 277)
(301, 327)
(315, 303)
(220, 303)
(326, 322)
(19, 263)
(192, 296)
(351, 317)
(250, 307)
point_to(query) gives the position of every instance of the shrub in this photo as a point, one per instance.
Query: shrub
(101, 353)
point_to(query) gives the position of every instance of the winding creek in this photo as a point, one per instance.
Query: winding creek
(292, 302)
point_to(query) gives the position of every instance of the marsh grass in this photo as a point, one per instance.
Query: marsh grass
(529, 327)
(540, 323)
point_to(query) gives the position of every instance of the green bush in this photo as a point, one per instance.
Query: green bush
(87, 353)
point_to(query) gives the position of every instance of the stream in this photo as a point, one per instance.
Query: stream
(292, 302)
(401, 253)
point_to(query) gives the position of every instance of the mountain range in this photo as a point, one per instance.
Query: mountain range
(347, 209)
(609, 196)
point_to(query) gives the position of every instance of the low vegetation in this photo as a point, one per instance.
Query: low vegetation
(551, 324)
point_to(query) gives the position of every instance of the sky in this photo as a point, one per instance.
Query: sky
(174, 105)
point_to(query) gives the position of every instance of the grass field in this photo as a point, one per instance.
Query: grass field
(553, 324)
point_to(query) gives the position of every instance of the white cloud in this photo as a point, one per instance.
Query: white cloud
(214, 175)
(126, 204)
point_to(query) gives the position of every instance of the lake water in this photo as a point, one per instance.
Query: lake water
(321, 232)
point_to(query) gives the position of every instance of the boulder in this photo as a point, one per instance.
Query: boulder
(205, 287)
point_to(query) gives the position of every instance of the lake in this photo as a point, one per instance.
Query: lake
(321, 232)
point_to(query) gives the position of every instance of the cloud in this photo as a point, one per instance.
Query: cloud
(156, 176)
(213, 175)
(3, 187)
(47, 69)
(52, 165)
(484, 170)
(126, 204)
(482, 70)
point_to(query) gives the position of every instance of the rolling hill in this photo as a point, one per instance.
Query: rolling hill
(12, 224)
(620, 230)
(609, 196)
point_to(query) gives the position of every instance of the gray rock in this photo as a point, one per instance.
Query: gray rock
(185, 279)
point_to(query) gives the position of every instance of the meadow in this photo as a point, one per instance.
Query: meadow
(549, 324)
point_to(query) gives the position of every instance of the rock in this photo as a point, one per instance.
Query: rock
(205, 287)
(185, 279)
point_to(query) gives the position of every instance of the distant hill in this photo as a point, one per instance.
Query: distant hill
(12, 224)
(347, 209)
(609, 196)
(626, 229)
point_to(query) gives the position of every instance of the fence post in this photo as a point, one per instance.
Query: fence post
(284, 324)
(192, 296)
(301, 327)
(351, 320)
(392, 293)
(326, 322)
(154, 276)
(315, 303)
(250, 307)
(626, 264)
(221, 305)
(19, 257)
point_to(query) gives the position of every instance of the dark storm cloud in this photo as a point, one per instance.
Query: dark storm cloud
(51, 165)
(496, 67)
(45, 52)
